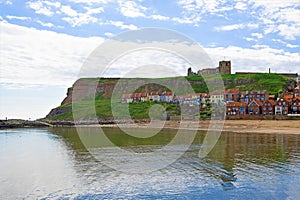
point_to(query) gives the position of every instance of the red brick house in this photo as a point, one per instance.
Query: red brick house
(282, 107)
(268, 107)
(295, 107)
(296, 92)
(249, 96)
(232, 95)
(255, 107)
(236, 108)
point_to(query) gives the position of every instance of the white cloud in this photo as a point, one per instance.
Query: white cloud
(230, 27)
(40, 8)
(35, 57)
(185, 20)
(122, 26)
(193, 10)
(54, 4)
(45, 24)
(131, 9)
(108, 34)
(159, 17)
(18, 17)
(90, 2)
(7, 2)
(236, 26)
(79, 20)
(292, 45)
(258, 35)
(240, 6)
(69, 11)
(280, 16)
(289, 32)
(91, 11)
(249, 39)
(258, 59)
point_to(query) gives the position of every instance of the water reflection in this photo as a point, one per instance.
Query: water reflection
(54, 163)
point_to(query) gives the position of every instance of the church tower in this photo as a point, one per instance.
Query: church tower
(225, 67)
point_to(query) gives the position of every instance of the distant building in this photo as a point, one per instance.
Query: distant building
(236, 108)
(217, 96)
(295, 107)
(223, 68)
(248, 96)
(255, 107)
(232, 94)
(282, 107)
(268, 107)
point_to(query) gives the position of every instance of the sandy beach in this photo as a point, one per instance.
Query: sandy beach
(242, 126)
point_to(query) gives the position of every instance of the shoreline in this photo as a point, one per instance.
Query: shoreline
(239, 126)
(248, 126)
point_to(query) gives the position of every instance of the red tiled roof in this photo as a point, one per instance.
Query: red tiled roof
(272, 102)
(217, 92)
(257, 102)
(155, 93)
(288, 97)
(242, 104)
(127, 96)
(233, 103)
(296, 98)
(169, 93)
(239, 104)
(232, 91)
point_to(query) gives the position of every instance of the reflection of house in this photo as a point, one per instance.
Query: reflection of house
(295, 107)
(282, 107)
(154, 96)
(254, 108)
(268, 107)
(236, 108)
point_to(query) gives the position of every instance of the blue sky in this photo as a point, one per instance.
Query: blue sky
(45, 42)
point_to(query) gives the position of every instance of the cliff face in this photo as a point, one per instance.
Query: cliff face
(84, 89)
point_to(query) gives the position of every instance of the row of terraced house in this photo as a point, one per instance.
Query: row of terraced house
(256, 102)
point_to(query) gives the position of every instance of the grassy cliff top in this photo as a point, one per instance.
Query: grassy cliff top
(274, 83)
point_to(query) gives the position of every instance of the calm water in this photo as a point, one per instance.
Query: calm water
(54, 164)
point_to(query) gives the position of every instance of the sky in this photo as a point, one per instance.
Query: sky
(44, 43)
